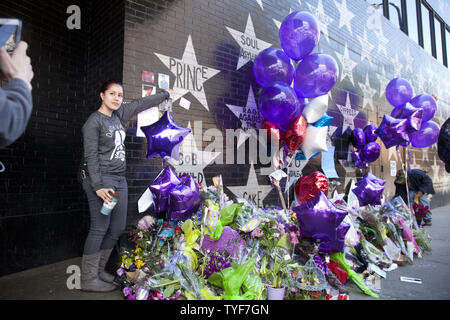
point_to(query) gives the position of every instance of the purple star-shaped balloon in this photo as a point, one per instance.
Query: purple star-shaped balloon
(160, 188)
(393, 132)
(412, 114)
(319, 218)
(368, 192)
(338, 244)
(164, 137)
(372, 178)
(184, 199)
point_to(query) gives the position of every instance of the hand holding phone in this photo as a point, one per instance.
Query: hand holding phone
(18, 65)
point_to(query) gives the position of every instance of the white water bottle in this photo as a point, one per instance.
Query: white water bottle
(108, 206)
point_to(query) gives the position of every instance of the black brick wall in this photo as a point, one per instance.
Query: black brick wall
(45, 218)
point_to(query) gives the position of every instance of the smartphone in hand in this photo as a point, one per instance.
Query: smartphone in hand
(10, 32)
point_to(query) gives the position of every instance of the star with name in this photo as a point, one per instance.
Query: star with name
(252, 191)
(248, 43)
(348, 114)
(189, 59)
(249, 116)
(294, 171)
(345, 15)
(347, 65)
(190, 152)
(260, 4)
(425, 154)
(368, 93)
(392, 151)
(322, 18)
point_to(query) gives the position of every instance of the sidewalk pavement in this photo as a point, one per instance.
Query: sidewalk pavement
(49, 282)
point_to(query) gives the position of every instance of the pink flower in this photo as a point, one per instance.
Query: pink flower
(276, 235)
(293, 237)
(280, 228)
(257, 233)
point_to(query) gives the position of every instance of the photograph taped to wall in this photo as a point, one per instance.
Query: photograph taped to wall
(148, 76)
(163, 81)
(148, 90)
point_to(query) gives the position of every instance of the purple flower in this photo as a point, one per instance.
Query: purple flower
(257, 233)
(119, 272)
(127, 291)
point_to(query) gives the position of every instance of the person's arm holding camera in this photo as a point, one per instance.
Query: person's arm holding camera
(15, 97)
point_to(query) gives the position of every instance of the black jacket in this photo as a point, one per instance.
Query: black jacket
(418, 180)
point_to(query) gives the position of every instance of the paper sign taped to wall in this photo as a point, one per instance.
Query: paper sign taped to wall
(146, 118)
(393, 168)
(328, 163)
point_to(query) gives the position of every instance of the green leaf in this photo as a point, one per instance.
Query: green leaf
(168, 291)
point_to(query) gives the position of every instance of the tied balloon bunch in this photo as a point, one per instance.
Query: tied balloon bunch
(410, 120)
(367, 150)
(295, 116)
(178, 196)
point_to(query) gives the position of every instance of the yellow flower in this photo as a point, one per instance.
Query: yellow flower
(137, 250)
(139, 264)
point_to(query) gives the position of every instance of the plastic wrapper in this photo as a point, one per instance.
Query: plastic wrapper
(191, 235)
(423, 239)
(340, 257)
(253, 284)
(375, 256)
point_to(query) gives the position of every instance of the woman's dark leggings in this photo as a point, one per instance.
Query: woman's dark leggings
(104, 231)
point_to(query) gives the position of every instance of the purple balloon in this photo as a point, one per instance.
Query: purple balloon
(370, 133)
(373, 178)
(358, 138)
(393, 132)
(412, 114)
(272, 65)
(427, 103)
(299, 34)
(368, 192)
(278, 104)
(398, 92)
(229, 241)
(315, 75)
(164, 137)
(184, 199)
(357, 160)
(338, 244)
(160, 188)
(371, 152)
(426, 136)
(319, 218)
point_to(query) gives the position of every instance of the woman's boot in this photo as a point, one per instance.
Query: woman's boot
(104, 257)
(89, 274)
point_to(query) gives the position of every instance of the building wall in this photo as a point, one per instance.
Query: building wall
(158, 32)
(44, 216)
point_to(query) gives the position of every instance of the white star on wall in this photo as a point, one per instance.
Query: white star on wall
(366, 46)
(425, 154)
(348, 114)
(322, 18)
(260, 4)
(347, 65)
(409, 59)
(392, 151)
(294, 171)
(383, 41)
(190, 151)
(345, 16)
(249, 45)
(249, 116)
(189, 59)
(397, 66)
(414, 164)
(252, 190)
(368, 93)
(435, 168)
(349, 172)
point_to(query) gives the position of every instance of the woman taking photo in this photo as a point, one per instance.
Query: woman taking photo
(103, 176)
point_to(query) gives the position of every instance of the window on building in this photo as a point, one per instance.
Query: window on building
(426, 29)
(395, 12)
(438, 37)
(411, 13)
